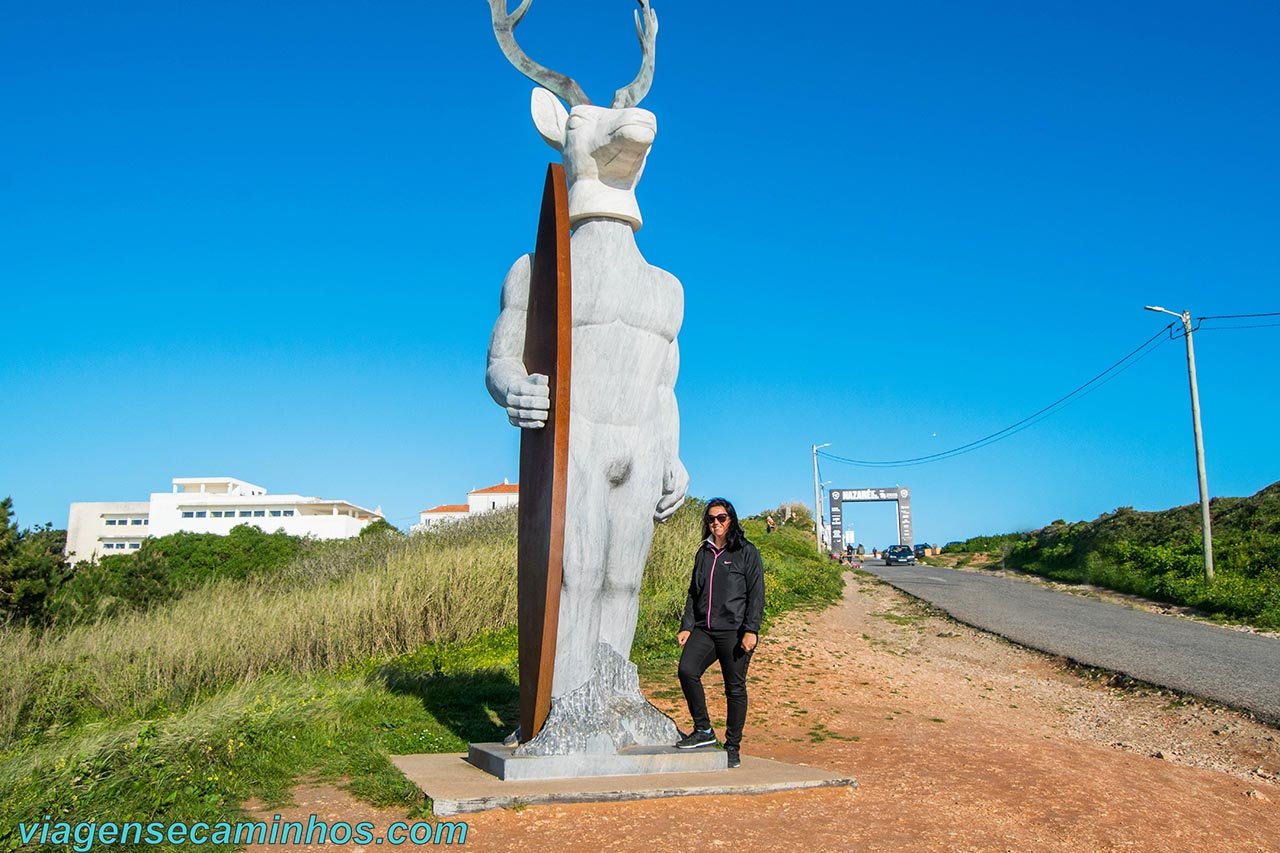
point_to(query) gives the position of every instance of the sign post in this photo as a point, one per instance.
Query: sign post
(900, 495)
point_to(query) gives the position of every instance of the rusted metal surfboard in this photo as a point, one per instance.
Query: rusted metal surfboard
(544, 457)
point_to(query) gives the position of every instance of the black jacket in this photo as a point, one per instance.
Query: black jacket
(726, 592)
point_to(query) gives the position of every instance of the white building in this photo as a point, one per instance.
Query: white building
(206, 505)
(479, 501)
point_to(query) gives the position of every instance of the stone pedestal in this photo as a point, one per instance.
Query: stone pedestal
(456, 786)
(507, 764)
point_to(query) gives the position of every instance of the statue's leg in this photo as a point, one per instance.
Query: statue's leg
(596, 703)
(631, 506)
(586, 529)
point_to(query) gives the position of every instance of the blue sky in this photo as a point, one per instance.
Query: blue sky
(266, 240)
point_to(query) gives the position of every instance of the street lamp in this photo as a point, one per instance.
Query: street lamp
(1185, 317)
(817, 497)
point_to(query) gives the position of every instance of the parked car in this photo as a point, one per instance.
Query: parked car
(922, 550)
(895, 554)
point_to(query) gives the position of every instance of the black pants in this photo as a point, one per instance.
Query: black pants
(701, 649)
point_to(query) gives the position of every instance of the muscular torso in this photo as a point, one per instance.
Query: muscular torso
(626, 314)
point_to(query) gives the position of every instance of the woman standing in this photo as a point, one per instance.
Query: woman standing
(721, 622)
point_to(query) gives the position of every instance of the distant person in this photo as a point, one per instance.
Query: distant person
(722, 614)
(769, 524)
(861, 551)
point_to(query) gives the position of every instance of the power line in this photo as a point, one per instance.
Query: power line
(1030, 420)
(1239, 316)
(1233, 328)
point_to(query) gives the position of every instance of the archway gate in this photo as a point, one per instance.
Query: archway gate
(900, 495)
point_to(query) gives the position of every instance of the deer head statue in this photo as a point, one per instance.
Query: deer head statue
(604, 148)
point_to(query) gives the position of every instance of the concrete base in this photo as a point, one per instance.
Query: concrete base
(455, 786)
(500, 761)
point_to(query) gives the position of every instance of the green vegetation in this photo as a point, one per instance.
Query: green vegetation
(820, 732)
(985, 544)
(31, 566)
(1159, 555)
(254, 668)
(167, 568)
(381, 527)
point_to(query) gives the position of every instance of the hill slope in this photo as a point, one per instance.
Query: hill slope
(1159, 555)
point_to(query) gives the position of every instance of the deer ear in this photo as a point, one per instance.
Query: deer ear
(549, 117)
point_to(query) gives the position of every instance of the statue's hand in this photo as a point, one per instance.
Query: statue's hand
(529, 401)
(675, 484)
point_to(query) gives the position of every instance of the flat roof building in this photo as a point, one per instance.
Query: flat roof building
(206, 505)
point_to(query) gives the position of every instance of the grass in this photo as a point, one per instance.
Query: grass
(354, 652)
(820, 733)
(903, 619)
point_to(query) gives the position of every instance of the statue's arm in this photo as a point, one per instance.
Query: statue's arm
(675, 479)
(526, 397)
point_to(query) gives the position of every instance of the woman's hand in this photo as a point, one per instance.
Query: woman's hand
(683, 637)
(749, 641)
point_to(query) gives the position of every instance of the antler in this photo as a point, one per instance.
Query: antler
(504, 26)
(647, 30)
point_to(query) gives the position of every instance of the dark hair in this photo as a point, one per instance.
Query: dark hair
(734, 537)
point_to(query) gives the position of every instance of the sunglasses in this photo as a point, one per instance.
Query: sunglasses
(722, 518)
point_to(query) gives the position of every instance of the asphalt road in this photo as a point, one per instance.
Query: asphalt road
(1232, 667)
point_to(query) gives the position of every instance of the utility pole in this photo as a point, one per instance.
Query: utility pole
(1205, 522)
(817, 497)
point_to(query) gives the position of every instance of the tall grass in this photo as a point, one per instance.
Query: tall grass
(371, 599)
(337, 605)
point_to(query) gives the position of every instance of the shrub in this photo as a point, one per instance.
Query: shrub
(31, 567)
(167, 567)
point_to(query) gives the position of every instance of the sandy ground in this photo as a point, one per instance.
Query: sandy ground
(959, 740)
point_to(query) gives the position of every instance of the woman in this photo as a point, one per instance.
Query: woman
(721, 622)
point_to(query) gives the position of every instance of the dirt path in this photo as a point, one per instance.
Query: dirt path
(959, 740)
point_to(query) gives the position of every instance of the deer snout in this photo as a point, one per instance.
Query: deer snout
(637, 132)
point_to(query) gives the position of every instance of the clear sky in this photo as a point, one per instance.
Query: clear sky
(266, 240)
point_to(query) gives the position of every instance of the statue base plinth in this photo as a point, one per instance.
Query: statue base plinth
(503, 762)
(456, 786)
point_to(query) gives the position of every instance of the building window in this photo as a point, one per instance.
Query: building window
(217, 513)
(199, 513)
(244, 513)
(136, 521)
(111, 522)
(135, 545)
(188, 514)
(275, 513)
(257, 513)
(288, 513)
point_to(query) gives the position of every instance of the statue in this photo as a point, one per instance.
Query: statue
(624, 468)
